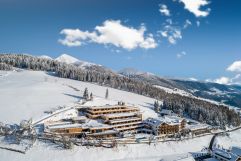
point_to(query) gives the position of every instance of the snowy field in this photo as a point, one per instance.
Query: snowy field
(234, 139)
(28, 94)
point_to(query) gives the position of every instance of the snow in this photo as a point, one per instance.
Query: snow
(65, 58)
(171, 120)
(3, 73)
(45, 57)
(174, 91)
(140, 152)
(227, 142)
(28, 94)
(133, 72)
(197, 126)
(184, 93)
(38, 91)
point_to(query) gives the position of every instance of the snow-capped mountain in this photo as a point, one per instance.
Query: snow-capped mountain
(148, 77)
(65, 58)
(45, 57)
(228, 94)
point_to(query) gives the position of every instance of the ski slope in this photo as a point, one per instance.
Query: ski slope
(33, 92)
(27, 94)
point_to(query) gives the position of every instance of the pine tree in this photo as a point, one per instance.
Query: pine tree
(86, 94)
(91, 96)
(156, 106)
(107, 94)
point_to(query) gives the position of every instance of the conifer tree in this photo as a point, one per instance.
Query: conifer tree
(91, 96)
(156, 106)
(86, 94)
(107, 94)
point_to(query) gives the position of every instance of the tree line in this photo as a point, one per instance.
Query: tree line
(4, 66)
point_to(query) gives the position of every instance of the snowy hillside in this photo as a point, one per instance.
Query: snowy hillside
(227, 94)
(38, 91)
(175, 91)
(45, 57)
(27, 94)
(133, 72)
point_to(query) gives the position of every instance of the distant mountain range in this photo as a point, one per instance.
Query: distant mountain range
(226, 94)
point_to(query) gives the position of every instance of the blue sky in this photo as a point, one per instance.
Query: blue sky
(124, 33)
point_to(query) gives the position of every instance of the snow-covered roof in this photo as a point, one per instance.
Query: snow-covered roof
(236, 150)
(55, 123)
(197, 126)
(167, 112)
(111, 106)
(79, 118)
(89, 124)
(124, 120)
(120, 114)
(171, 120)
(106, 132)
(64, 126)
(222, 153)
(95, 124)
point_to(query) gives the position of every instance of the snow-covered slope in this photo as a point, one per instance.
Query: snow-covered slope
(28, 94)
(133, 72)
(228, 94)
(45, 57)
(34, 92)
(175, 91)
(65, 58)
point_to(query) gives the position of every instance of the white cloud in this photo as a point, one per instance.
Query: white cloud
(180, 55)
(227, 80)
(187, 23)
(172, 33)
(164, 10)
(75, 37)
(223, 80)
(235, 67)
(194, 6)
(111, 32)
(193, 79)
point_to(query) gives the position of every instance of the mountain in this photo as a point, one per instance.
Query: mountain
(45, 57)
(65, 58)
(149, 77)
(131, 72)
(227, 94)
